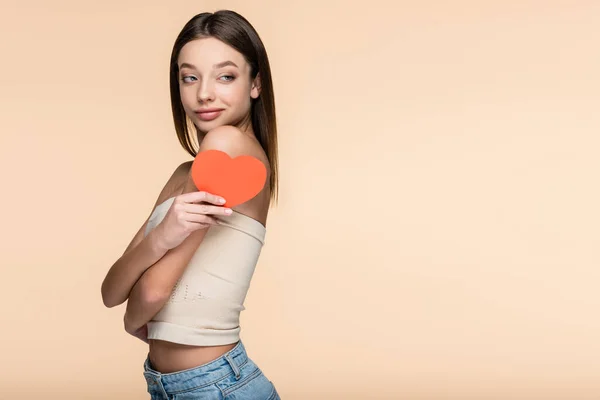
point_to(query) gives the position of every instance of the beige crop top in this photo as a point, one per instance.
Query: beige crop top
(205, 304)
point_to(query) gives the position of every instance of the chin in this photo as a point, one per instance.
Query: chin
(205, 126)
(221, 120)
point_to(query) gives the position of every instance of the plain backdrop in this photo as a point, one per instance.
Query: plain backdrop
(436, 235)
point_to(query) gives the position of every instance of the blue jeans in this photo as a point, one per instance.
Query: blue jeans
(233, 376)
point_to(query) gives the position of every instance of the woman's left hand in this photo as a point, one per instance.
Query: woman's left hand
(141, 333)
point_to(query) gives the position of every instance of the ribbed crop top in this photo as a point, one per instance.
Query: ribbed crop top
(205, 304)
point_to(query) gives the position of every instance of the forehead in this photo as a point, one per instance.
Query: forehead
(205, 52)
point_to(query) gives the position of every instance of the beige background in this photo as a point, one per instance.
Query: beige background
(437, 230)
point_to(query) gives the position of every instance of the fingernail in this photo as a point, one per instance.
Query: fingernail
(228, 211)
(221, 201)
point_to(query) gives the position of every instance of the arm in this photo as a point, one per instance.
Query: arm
(153, 289)
(141, 253)
(142, 334)
(129, 267)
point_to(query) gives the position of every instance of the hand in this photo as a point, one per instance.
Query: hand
(141, 333)
(188, 213)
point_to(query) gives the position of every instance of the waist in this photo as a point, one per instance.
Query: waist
(207, 327)
(168, 357)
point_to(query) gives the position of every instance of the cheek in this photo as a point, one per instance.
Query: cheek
(187, 98)
(228, 92)
(234, 95)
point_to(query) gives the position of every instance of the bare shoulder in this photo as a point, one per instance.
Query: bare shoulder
(181, 172)
(234, 142)
(175, 183)
(170, 189)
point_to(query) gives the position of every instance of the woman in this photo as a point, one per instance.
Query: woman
(186, 272)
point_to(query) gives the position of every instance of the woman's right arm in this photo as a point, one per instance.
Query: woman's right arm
(141, 253)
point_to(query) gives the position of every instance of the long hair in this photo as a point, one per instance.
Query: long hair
(233, 29)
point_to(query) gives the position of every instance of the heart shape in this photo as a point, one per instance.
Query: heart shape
(237, 179)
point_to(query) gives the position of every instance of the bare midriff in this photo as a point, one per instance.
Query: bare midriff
(167, 357)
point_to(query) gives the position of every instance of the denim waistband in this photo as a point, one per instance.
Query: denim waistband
(197, 377)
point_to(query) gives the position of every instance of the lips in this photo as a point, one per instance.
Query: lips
(209, 114)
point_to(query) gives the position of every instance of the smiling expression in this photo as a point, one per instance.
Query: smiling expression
(215, 84)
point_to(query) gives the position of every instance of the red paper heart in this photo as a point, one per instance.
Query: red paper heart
(237, 179)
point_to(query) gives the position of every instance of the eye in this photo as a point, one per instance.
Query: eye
(185, 77)
(229, 78)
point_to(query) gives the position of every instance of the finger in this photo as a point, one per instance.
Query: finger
(206, 223)
(202, 196)
(206, 209)
(201, 219)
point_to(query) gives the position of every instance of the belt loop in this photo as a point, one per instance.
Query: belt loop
(234, 366)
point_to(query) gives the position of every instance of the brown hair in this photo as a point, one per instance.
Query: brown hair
(233, 29)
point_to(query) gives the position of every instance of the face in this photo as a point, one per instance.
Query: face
(215, 84)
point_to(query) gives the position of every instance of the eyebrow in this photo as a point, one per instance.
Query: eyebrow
(219, 65)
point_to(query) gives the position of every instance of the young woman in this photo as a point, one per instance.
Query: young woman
(186, 272)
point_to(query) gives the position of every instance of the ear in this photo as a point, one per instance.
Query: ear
(255, 91)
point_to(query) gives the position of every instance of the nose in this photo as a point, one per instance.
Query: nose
(206, 91)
